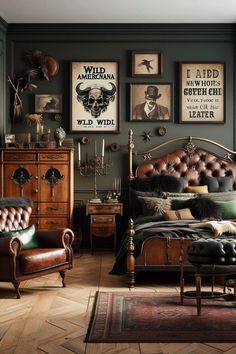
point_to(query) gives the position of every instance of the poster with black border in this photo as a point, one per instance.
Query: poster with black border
(202, 92)
(95, 96)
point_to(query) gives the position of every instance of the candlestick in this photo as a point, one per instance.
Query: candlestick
(103, 147)
(95, 148)
(79, 154)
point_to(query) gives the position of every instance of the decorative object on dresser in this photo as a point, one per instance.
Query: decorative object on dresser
(103, 220)
(26, 253)
(94, 166)
(59, 136)
(153, 242)
(46, 177)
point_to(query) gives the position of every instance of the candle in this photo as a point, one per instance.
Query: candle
(115, 186)
(103, 147)
(79, 154)
(95, 148)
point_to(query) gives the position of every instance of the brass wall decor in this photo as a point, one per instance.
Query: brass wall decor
(85, 140)
(161, 131)
(115, 147)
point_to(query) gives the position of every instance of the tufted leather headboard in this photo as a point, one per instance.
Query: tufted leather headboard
(191, 162)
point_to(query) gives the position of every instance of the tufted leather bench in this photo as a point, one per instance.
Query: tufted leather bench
(211, 257)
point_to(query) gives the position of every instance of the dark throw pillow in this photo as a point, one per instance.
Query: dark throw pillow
(168, 183)
(143, 184)
(218, 184)
(136, 207)
(202, 208)
(27, 237)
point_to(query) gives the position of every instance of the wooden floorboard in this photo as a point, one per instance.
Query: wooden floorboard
(51, 319)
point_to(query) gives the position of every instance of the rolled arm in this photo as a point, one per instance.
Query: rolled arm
(10, 246)
(56, 238)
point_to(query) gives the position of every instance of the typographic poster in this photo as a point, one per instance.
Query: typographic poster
(95, 96)
(202, 93)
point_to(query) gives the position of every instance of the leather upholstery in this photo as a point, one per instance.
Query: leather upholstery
(193, 165)
(55, 254)
(213, 251)
(14, 218)
(36, 260)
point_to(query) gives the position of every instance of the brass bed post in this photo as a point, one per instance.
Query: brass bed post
(130, 244)
(130, 255)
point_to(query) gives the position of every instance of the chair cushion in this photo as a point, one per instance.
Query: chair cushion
(35, 260)
(27, 236)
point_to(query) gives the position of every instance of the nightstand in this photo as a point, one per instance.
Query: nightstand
(103, 220)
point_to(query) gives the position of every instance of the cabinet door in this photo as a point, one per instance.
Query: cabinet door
(20, 180)
(54, 183)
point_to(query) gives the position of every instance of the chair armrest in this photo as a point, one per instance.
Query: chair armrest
(56, 238)
(10, 246)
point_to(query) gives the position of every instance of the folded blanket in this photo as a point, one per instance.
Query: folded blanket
(218, 227)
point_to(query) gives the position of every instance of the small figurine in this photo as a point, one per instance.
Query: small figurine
(59, 136)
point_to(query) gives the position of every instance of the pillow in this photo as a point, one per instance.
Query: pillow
(179, 214)
(178, 195)
(135, 205)
(218, 184)
(197, 189)
(154, 206)
(144, 184)
(27, 236)
(168, 183)
(202, 208)
(219, 196)
(228, 208)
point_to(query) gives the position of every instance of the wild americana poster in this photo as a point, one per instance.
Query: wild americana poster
(202, 93)
(95, 97)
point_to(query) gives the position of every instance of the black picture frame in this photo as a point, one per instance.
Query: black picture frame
(161, 93)
(202, 92)
(147, 64)
(95, 97)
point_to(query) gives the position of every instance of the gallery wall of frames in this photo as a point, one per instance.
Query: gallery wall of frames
(162, 81)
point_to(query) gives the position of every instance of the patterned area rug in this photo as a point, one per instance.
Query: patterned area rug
(151, 317)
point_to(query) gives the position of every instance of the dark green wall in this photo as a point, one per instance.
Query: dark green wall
(3, 29)
(178, 43)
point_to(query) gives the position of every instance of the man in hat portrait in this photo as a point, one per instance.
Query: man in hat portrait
(150, 109)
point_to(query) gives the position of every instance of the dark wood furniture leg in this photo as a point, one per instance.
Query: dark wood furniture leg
(16, 284)
(63, 274)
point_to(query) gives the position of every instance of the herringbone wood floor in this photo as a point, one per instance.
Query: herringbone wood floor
(51, 319)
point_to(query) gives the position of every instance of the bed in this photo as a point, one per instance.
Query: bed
(154, 244)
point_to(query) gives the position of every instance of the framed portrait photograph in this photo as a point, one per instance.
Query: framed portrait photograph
(48, 103)
(151, 102)
(202, 92)
(147, 64)
(9, 138)
(95, 96)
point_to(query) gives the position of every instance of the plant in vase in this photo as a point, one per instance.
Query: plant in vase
(37, 119)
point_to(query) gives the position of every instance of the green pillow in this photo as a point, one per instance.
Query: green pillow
(177, 203)
(228, 208)
(27, 236)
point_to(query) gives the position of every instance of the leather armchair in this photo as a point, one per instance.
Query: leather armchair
(55, 253)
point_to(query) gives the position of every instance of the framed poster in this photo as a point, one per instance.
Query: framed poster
(202, 92)
(48, 103)
(95, 96)
(151, 102)
(146, 64)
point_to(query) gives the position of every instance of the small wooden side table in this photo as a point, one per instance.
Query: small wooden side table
(103, 220)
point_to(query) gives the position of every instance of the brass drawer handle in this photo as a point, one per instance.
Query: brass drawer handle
(52, 157)
(52, 222)
(53, 208)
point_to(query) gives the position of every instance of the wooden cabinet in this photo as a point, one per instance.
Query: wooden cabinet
(44, 176)
(103, 220)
